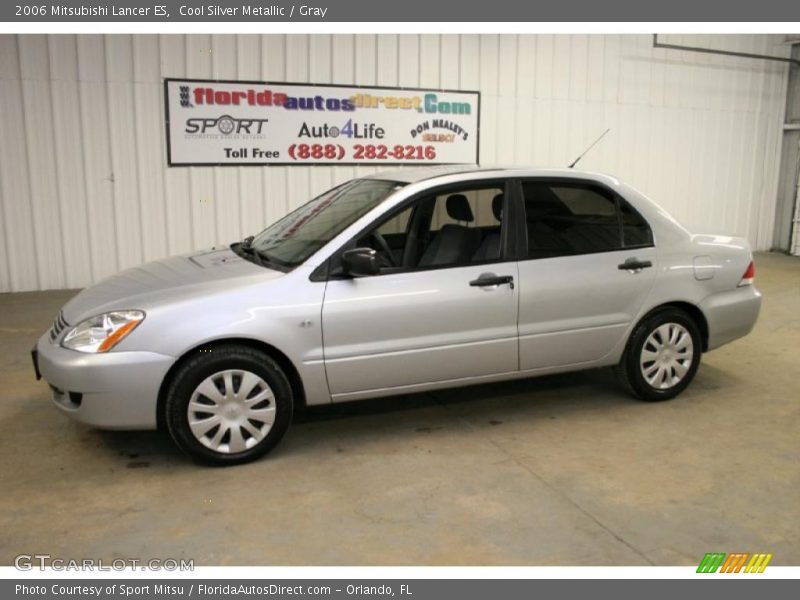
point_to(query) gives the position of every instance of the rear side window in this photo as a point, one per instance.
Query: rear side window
(565, 218)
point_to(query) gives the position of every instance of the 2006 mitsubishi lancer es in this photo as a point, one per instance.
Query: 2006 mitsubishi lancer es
(396, 283)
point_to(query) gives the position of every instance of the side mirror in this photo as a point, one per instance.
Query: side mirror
(360, 262)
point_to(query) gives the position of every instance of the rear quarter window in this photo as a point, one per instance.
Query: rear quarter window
(635, 230)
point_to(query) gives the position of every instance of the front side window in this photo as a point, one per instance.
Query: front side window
(455, 227)
(294, 238)
(565, 218)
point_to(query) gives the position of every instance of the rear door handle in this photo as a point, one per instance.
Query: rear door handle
(487, 280)
(635, 265)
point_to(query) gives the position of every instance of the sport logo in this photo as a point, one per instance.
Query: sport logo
(737, 562)
(225, 125)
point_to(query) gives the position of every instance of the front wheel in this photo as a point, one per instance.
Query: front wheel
(228, 405)
(662, 355)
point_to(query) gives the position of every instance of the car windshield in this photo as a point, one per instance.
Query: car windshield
(291, 240)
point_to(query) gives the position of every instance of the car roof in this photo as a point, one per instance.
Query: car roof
(416, 174)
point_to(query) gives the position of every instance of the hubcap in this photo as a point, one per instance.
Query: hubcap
(667, 356)
(231, 411)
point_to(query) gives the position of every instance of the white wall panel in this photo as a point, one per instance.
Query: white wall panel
(795, 235)
(251, 180)
(19, 270)
(177, 201)
(71, 191)
(84, 190)
(39, 156)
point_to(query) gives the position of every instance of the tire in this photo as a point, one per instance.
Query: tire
(662, 355)
(228, 405)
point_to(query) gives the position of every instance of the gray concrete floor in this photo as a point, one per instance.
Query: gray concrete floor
(565, 470)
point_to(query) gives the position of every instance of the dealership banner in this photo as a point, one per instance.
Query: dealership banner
(259, 123)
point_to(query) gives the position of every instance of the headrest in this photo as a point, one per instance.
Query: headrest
(497, 206)
(458, 208)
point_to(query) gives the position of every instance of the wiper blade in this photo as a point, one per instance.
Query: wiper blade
(255, 254)
(261, 258)
(244, 249)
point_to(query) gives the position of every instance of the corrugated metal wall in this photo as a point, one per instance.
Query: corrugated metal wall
(790, 176)
(85, 191)
(795, 249)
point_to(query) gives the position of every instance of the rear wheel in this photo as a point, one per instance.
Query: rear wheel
(228, 405)
(662, 355)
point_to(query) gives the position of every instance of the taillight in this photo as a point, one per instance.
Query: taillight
(749, 275)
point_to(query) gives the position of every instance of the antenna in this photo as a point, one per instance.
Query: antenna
(602, 135)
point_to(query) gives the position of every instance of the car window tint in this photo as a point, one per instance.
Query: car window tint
(564, 219)
(586, 202)
(635, 230)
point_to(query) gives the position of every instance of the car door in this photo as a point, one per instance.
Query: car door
(589, 266)
(446, 312)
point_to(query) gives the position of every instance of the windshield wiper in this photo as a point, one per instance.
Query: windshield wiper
(247, 246)
(261, 258)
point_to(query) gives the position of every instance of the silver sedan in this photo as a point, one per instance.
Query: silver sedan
(396, 283)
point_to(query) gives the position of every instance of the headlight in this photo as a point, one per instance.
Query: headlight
(103, 332)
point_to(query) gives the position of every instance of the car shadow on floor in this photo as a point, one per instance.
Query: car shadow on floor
(142, 449)
(551, 397)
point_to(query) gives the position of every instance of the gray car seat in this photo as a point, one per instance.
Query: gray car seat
(490, 246)
(453, 244)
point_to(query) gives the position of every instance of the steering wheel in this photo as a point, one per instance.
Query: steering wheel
(375, 235)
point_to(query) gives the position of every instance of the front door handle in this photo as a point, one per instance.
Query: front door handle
(488, 279)
(635, 265)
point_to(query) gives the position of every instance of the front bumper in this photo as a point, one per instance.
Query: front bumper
(116, 390)
(731, 314)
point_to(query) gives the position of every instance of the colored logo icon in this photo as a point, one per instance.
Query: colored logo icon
(738, 562)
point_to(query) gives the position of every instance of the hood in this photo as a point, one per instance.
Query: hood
(164, 281)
